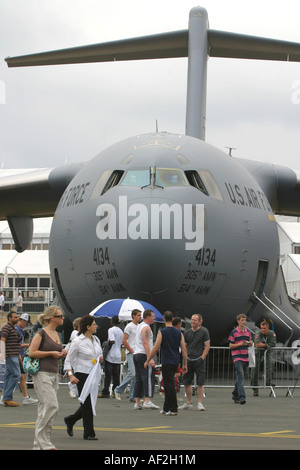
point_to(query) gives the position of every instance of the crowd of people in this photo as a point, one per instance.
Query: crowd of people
(181, 355)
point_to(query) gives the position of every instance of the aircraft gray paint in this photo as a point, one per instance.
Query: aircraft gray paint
(126, 223)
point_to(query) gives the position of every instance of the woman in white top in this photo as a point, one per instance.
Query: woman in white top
(81, 359)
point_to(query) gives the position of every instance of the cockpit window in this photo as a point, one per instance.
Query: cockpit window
(211, 185)
(98, 188)
(204, 181)
(166, 177)
(113, 180)
(162, 177)
(195, 180)
(107, 180)
(158, 177)
(136, 178)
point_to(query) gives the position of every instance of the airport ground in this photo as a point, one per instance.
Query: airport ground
(263, 423)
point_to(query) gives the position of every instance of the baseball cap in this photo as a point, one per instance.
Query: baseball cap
(25, 317)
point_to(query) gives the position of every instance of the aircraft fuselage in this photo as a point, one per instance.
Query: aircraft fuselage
(168, 219)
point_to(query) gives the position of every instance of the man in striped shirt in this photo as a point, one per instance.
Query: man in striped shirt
(10, 353)
(239, 341)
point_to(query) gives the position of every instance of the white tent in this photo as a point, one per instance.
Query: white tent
(31, 262)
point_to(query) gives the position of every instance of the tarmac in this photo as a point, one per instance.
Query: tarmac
(263, 423)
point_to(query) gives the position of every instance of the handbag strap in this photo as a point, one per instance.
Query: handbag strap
(42, 341)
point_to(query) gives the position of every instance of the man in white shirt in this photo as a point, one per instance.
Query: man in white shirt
(144, 377)
(2, 304)
(129, 343)
(113, 358)
(19, 303)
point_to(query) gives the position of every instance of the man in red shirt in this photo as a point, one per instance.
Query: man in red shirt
(239, 341)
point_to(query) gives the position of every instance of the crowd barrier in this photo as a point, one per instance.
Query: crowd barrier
(285, 365)
(220, 370)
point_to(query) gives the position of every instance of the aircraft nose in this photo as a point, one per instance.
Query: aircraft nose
(150, 267)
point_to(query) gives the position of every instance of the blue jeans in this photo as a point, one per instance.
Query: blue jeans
(129, 378)
(12, 376)
(240, 370)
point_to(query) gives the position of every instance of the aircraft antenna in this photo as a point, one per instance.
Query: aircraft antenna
(230, 150)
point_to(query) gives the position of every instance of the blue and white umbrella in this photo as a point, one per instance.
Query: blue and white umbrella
(123, 308)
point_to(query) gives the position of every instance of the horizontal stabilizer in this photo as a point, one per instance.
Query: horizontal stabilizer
(242, 46)
(166, 45)
(158, 46)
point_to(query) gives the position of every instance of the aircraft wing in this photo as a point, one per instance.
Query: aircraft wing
(280, 184)
(31, 193)
(166, 45)
(35, 192)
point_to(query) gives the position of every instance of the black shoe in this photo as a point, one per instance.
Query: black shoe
(91, 438)
(242, 402)
(69, 427)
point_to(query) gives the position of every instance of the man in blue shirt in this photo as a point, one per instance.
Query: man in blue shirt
(169, 340)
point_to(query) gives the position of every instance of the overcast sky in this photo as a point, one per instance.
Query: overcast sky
(63, 114)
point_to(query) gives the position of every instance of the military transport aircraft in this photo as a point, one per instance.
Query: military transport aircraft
(163, 217)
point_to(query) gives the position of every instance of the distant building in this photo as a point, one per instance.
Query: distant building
(289, 237)
(27, 272)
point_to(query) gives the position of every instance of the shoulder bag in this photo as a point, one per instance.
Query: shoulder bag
(31, 365)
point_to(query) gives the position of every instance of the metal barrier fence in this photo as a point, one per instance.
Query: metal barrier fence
(220, 370)
(35, 299)
(283, 361)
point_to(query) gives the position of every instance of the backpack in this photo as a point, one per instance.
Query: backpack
(106, 346)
